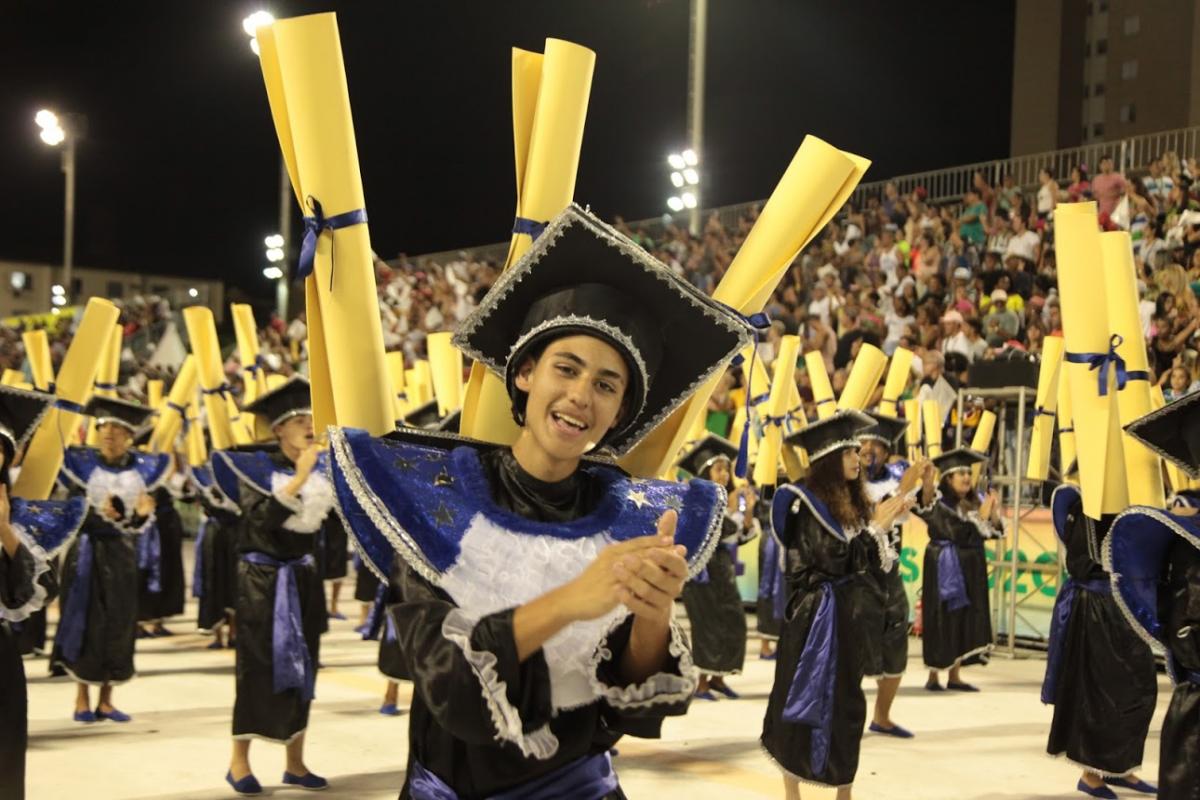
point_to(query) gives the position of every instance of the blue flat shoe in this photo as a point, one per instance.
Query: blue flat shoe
(705, 696)
(389, 710)
(247, 786)
(934, 686)
(337, 615)
(310, 781)
(161, 631)
(1100, 791)
(115, 715)
(895, 730)
(1140, 786)
(85, 717)
(961, 687)
(214, 646)
(725, 690)
(771, 657)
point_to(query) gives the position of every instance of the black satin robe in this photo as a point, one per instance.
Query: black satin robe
(1179, 608)
(1107, 684)
(258, 711)
(168, 601)
(218, 564)
(952, 635)
(767, 623)
(451, 732)
(714, 609)
(16, 589)
(814, 556)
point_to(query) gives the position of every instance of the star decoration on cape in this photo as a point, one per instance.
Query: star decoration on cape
(638, 498)
(403, 464)
(443, 515)
(675, 503)
(443, 478)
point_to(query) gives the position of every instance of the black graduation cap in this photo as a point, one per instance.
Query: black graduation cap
(1173, 432)
(886, 429)
(142, 435)
(958, 459)
(291, 398)
(130, 416)
(584, 277)
(423, 416)
(21, 412)
(700, 456)
(834, 433)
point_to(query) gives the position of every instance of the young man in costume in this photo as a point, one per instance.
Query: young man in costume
(538, 587)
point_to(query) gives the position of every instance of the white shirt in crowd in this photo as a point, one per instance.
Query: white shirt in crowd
(1045, 201)
(1024, 245)
(958, 343)
(824, 308)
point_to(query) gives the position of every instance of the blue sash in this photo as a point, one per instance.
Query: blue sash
(952, 586)
(587, 778)
(290, 660)
(1058, 629)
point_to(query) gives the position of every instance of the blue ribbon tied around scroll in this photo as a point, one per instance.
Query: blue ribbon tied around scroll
(317, 223)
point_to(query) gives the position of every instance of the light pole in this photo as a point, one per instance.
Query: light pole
(250, 25)
(686, 177)
(65, 131)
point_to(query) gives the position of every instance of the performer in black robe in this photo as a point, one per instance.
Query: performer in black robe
(538, 589)
(1153, 558)
(214, 579)
(1100, 675)
(366, 586)
(31, 533)
(285, 500)
(830, 538)
(95, 638)
(888, 478)
(714, 606)
(381, 625)
(957, 620)
(161, 581)
(772, 586)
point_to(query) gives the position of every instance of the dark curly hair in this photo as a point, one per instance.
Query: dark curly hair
(847, 500)
(968, 503)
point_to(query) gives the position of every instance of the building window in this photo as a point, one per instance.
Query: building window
(1129, 113)
(1101, 47)
(1129, 69)
(1132, 25)
(1098, 129)
(1099, 90)
(1087, 90)
(116, 289)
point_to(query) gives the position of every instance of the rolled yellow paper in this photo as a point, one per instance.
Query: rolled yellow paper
(864, 377)
(766, 467)
(202, 333)
(446, 368)
(1086, 331)
(154, 393)
(550, 101)
(822, 389)
(74, 385)
(254, 379)
(275, 380)
(813, 188)
(912, 435)
(12, 377)
(897, 379)
(242, 425)
(170, 419)
(1143, 473)
(982, 441)
(1047, 402)
(395, 364)
(305, 77)
(197, 450)
(107, 376)
(931, 417)
(1067, 451)
(37, 350)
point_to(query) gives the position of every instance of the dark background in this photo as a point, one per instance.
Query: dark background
(179, 172)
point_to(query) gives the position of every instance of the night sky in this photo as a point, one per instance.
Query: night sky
(179, 172)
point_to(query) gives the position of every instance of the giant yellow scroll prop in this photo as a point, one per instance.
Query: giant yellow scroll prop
(254, 379)
(197, 450)
(912, 434)
(550, 101)
(107, 376)
(982, 441)
(395, 365)
(154, 393)
(74, 385)
(897, 379)
(822, 389)
(202, 333)
(310, 105)
(446, 367)
(37, 350)
(868, 367)
(1143, 473)
(1047, 403)
(812, 190)
(1086, 331)
(170, 419)
(12, 377)
(766, 467)
(1067, 451)
(931, 418)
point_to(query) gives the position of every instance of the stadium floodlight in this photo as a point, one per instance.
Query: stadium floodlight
(691, 176)
(689, 157)
(676, 161)
(274, 273)
(675, 204)
(689, 200)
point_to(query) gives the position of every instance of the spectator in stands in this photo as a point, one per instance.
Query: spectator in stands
(1047, 195)
(1023, 244)
(970, 221)
(953, 337)
(1079, 188)
(899, 318)
(977, 345)
(1000, 324)
(1158, 185)
(1035, 335)
(1108, 188)
(1009, 198)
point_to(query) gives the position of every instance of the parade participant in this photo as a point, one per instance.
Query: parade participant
(1100, 675)
(1153, 558)
(161, 583)
(214, 580)
(884, 479)
(285, 500)
(95, 639)
(957, 622)
(714, 606)
(537, 588)
(31, 534)
(830, 539)
(772, 587)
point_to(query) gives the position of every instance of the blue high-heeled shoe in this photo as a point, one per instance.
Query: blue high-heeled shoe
(1140, 786)
(389, 710)
(705, 696)
(725, 690)
(247, 786)
(310, 781)
(1099, 791)
(895, 730)
(115, 715)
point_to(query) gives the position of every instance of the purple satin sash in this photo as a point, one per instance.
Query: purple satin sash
(1058, 629)
(587, 778)
(73, 626)
(149, 558)
(810, 697)
(377, 615)
(952, 586)
(770, 577)
(198, 561)
(290, 660)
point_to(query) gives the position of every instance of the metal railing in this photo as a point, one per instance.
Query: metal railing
(941, 185)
